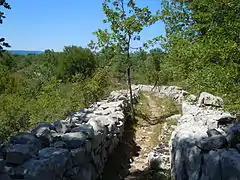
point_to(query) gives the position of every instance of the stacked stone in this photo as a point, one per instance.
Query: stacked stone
(178, 94)
(71, 149)
(206, 142)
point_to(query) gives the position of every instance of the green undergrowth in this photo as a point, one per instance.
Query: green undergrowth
(52, 100)
(167, 107)
(147, 115)
(142, 108)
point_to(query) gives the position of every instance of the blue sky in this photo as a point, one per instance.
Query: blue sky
(53, 24)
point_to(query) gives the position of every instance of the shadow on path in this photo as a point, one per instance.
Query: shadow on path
(153, 120)
(118, 164)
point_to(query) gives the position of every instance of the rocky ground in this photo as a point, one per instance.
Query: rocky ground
(131, 159)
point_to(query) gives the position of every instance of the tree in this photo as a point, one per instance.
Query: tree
(75, 60)
(3, 43)
(212, 22)
(202, 45)
(156, 56)
(126, 21)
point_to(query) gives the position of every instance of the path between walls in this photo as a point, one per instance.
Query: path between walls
(197, 145)
(144, 137)
(130, 161)
(80, 146)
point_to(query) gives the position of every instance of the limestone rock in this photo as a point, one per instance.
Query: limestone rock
(59, 144)
(86, 173)
(159, 158)
(2, 165)
(213, 143)
(43, 125)
(202, 124)
(213, 132)
(44, 134)
(60, 126)
(97, 140)
(233, 135)
(2, 151)
(147, 88)
(188, 108)
(191, 98)
(24, 138)
(118, 104)
(74, 139)
(84, 128)
(5, 176)
(230, 164)
(80, 116)
(174, 92)
(175, 117)
(99, 123)
(210, 165)
(79, 156)
(50, 165)
(220, 164)
(226, 120)
(18, 153)
(238, 147)
(210, 100)
(199, 145)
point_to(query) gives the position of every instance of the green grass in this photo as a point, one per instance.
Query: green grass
(166, 107)
(142, 108)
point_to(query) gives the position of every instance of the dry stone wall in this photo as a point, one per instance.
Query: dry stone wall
(72, 149)
(205, 145)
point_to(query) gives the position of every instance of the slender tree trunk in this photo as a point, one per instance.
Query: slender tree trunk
(129, 76)
(130, 89)
(155, 84)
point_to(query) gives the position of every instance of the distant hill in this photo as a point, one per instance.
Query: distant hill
(25, 52)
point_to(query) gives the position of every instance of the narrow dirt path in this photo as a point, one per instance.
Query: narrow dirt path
(130, 159)
(143, 137)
